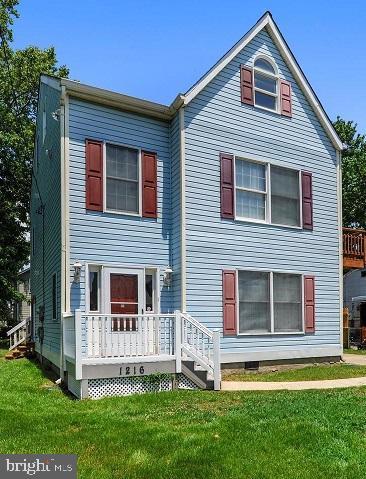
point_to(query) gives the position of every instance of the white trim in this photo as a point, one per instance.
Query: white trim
(267, 192)
(54, 299)
(276, 352)
(101, 267)
(89, 268)
(266, 21)
(117, 100)
(273, 76)
(140, 273)
(183, 211)
(119, 212)
(272, 332)
(339, 205)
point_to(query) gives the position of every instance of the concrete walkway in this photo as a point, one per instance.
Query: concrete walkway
(292, 385)
(357, 359)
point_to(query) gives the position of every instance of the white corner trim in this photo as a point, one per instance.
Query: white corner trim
(183, 210)
(267, 21)
(340, 222)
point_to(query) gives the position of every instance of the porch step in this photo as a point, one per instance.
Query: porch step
(22, 351)
(198, 375)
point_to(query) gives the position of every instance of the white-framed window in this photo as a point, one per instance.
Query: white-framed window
(122, 179)
(54, 296)
(94, 289)
(270, 302)
(251, 189)
(265, 84)
(267, 193)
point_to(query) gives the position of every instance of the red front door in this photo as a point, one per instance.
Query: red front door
(124, 292)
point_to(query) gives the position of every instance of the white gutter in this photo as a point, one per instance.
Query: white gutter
(117, 100)
(183, 265)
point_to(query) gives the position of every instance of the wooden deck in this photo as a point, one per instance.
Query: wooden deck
(354, 248)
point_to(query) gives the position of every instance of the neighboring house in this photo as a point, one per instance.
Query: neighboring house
(153, 225)
(354, 296)
(22, 309)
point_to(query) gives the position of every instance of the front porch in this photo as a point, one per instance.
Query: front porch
(117, 348)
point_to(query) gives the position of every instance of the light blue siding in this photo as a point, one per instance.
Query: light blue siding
(49, 182)
(215, 122)
(176, 212)
(108, 238)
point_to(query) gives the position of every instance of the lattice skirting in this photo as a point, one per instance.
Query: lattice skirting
(104, 387)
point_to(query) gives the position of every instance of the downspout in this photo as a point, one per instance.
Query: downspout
(340, 221)
(183, 210)
(64, 220)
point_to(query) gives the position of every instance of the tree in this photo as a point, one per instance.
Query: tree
(353, 173)
(19, 81)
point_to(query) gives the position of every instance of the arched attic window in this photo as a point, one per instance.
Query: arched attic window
(265, 84)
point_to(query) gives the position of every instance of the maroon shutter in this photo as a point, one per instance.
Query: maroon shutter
(94, 175)
(149, 185)
(227, 185)
(309, 301)
(246, 85)
(307, 200)
(286, 101)
(229, 301)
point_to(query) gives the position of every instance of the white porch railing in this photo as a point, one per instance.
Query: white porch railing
(202, 346)
(19, 333)
(106, 338)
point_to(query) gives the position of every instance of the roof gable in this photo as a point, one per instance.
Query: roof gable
(267, 22)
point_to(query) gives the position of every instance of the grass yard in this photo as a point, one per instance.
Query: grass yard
(355, 351)
(187, 435)
(307, 373)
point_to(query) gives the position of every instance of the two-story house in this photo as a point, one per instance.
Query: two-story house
(178, 239)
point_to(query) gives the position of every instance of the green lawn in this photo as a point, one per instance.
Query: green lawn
(308, 373)
(355, 351)
(187, 435)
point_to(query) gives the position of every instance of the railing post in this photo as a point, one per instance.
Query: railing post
(216, 360)
(78, 365)
(178, 342)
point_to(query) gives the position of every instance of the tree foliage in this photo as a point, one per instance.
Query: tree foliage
(19, 80)
(353, 173)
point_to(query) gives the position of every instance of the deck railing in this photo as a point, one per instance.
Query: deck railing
(115, 338)
(19, 333)
(354, 248)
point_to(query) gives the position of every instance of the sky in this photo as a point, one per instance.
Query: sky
(157, 49)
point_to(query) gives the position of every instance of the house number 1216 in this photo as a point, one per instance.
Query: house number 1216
(131, 370)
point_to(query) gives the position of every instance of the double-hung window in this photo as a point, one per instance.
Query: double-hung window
(251, 189)
(122, 179)
(270, 302)
(267, 193)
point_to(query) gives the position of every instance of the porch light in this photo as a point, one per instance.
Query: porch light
(167, 278)
(77, 271)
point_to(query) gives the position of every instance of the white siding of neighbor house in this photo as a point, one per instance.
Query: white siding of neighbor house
(216, 121)
(49, 181)
(110, 238)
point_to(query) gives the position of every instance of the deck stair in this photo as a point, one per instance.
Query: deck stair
(197, 375)
(25, 350)
(19, 338)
